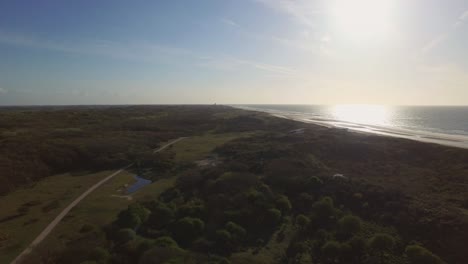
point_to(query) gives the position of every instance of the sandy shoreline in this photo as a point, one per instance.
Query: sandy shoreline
(458, 141)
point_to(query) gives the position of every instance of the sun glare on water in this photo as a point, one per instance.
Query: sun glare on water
(363, 19)
(362, 114)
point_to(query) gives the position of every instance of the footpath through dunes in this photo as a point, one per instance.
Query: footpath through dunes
(67, 209)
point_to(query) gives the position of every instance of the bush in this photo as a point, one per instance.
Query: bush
(302, 221)
(283, 203)
(331, 250)
(324, 208)
(133, 216)
(159, 255)
(124, 235)
(419, 255)
(144, 245)
(99, 255)
(273, 216)
(85, 228)
(296, 248)
(165, 241)
(237, 231)
(349, 225)
(187, 229)
(223, 236)
(358, 247)
(161, 215)
(381, 244)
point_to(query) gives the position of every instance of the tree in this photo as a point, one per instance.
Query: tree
(324, 210)
(302, 221)
(187, 229)
(296, 249)
(273, 216)
(283, 203)
(358, 247)
(349, 225)
(165, 241)
(419, 255)
(124, 235)
(161, 215)
(381, 244)
(238, 232)
(99, 255)
(223, 236)
(160, 255)
(304, 202)
(314, 183)
(126, 219)
(140, 211)
(133, 216)
(331, 251)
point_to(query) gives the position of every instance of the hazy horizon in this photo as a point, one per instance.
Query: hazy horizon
(387, 52)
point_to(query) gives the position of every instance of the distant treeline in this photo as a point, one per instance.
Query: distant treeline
(36, 142)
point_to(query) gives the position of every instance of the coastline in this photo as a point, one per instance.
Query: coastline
(458, 141)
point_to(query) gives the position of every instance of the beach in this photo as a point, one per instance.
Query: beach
(453, 140)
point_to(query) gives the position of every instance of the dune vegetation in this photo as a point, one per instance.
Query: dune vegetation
(246, 187)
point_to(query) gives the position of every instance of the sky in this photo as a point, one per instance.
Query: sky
(391, 52)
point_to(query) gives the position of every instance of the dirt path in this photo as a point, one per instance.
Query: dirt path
(67, 209)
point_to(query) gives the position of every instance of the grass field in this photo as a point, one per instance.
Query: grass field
(26, 212)
(195, 148)
(37, 206)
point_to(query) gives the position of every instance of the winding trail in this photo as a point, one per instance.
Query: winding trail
(67, 209)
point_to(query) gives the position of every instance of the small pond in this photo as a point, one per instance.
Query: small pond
(140, 183)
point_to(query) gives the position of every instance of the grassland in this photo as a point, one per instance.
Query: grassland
(25, 212)
(194, 148)
(98, 209)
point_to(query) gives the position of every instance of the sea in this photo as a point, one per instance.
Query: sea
(445, 125)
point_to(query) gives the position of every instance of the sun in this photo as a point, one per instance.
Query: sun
(363, 19)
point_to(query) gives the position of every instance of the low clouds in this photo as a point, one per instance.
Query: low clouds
(3, 91)
(435, 42)
(441, 38)
(229, 22)
(461, 20)
(301, 10)
(143, 52)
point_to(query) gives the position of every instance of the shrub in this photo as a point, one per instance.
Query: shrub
(324, 208)
(358, 247)
(314, 182)
(302, 221)
(296, 248)
(124, 235)
(133, 216)
(187, 229)
(419, 255)
(165, 241)
(349, 225)
(161, 215)
(85, 228)
(237, 231)
(161, 255)
(331, 250)
(273, 216)
(99, 255)
(223, 236)
(381, 244)
(126, 219)
(283, 203)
